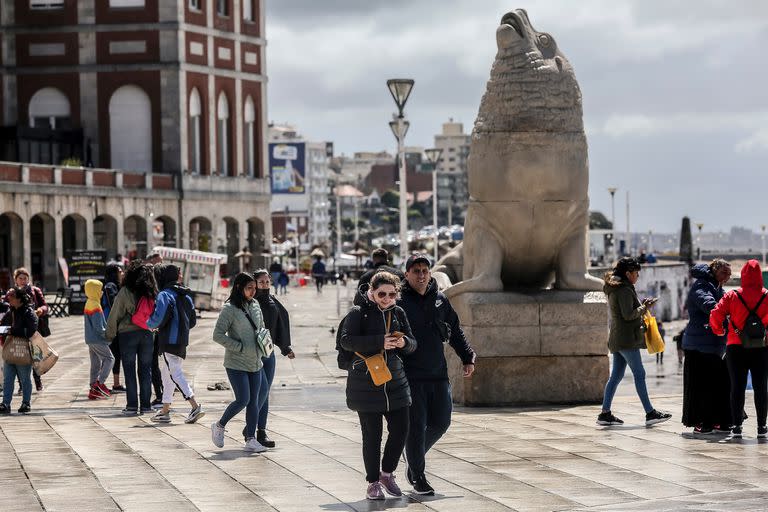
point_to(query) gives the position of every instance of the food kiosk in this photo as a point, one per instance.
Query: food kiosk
(200, 271)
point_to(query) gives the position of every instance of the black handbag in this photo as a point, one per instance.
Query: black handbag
(43, 327)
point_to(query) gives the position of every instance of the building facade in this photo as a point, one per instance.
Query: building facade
(135, 122)
(452, 189)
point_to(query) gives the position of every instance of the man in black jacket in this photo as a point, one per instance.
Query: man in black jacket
(433, 322)
(380, 259)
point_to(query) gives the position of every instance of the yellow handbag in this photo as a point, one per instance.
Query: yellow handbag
(653, 340)
(376, 364)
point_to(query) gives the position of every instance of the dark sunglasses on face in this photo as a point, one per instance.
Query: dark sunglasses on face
(391, 295)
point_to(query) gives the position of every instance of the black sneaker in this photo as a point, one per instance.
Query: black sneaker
(762, 432)
(736, 432)
(25, 408)
(654, 417)
(421, 486)
(409, 475)
(606, 418)
(4, 409)
(157, 403)
(261, 437)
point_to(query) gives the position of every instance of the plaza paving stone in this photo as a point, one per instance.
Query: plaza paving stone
(81, 455)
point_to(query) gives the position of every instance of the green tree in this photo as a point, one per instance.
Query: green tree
(391, 199)
(598, 221)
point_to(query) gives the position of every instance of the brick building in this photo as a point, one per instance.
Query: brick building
(163, 102)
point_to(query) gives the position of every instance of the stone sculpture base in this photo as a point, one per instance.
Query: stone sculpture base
(547, 346)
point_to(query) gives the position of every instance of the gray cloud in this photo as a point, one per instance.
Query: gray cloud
(674, 92)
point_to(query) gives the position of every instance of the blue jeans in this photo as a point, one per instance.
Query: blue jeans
(269, 375)
(132, 344)
(246, 386)
(621, 360)
(10, 371)
(430, 417)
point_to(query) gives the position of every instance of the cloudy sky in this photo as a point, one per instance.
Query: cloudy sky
(675, 91)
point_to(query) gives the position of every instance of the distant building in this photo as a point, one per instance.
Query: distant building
(163, 105)
(452, 190)
(300, 186)
(384, 177)
(355, 169)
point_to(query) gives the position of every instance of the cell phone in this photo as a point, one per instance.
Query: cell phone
(397, 334)
(5, 329)
(653, 300)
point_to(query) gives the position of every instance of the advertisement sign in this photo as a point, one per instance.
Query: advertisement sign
(83, 265)
(286, 167)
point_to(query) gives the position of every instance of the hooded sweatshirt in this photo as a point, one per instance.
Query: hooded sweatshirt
(626, 313)
(702, 299)
(173, 316)
(733, 309)
(93, 315)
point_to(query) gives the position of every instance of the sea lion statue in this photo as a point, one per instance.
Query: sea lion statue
(528, 213)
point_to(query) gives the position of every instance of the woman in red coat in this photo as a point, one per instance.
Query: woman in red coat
(735, 306)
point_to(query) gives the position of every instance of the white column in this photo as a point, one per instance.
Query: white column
(58, 247)
(27, 242)
(89, 240)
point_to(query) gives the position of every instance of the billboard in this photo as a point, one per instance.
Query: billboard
(287, 167)
(81, 266)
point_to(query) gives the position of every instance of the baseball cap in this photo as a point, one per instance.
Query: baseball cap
(417, 258)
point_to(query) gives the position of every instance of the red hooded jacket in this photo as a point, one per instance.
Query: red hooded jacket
(731, 307)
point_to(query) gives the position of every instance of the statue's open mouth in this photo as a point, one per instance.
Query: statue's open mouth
(512, 20)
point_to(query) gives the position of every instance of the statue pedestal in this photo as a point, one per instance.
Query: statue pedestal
(547, 346)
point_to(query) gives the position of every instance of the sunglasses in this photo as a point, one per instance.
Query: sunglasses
(391, 295)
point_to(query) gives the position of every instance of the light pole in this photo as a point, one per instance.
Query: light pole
(612, 191)
(762, 228)
(400, 88)
(699, 225)
(433, 157)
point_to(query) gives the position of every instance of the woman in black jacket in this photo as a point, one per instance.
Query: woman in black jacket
(113, 279)
(379, 326)
(23, 323)
(277, 321)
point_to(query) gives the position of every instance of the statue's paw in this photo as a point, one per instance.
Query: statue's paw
(580, 282)
(442, 279)
(476, 284)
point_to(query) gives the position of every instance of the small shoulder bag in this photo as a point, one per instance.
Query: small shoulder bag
(376, 364)
(263, 339)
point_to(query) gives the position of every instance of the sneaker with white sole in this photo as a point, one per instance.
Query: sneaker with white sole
(654, 417)
(252, 445)
(762, 432)
(736, 432)
(389, 484)
(195, 414)
(607, 418)
(375, 491)
(161, 417)
(217, 434)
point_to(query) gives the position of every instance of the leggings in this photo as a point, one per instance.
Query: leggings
(621, 360)
(372, 427)
(740, 361)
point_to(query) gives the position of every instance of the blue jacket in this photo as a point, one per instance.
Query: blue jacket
(702, 299)
(174, 316)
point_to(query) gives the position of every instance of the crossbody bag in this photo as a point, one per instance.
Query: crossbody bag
(376, 364)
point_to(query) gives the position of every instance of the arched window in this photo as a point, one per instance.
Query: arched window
(249, 115)
(195, 115)
(222, 114)
(130, 129)
(49, 107)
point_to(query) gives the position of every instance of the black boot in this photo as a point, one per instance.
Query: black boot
(261, 437)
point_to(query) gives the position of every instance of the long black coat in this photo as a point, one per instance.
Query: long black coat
(363, 331)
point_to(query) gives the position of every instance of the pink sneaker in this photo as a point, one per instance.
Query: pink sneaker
(375, 491)
(389, 484)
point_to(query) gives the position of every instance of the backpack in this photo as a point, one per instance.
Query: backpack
(343, 357)
(143, 311)
(752, 333)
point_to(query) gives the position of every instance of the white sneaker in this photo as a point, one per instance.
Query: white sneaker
(217, 434)
(195, 414)
(252, 445)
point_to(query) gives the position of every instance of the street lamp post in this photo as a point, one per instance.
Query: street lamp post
(612, 191)
(400, 88)
(699, 225)
(433, 157)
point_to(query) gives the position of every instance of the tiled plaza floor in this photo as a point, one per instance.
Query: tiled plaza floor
(80, 455)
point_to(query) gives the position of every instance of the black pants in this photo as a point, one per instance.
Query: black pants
(430, 418)
(740, 361)
(372, 427)
(706, 390)
(157, 379)
(115, 348)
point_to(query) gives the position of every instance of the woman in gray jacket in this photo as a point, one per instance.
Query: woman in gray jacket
(236, 330)
(626, 338)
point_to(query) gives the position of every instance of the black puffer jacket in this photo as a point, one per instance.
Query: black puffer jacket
(363, 331)
(23, 321)
(276, 319)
